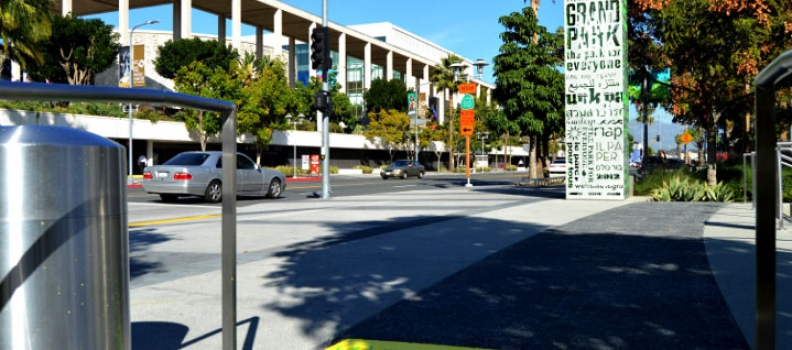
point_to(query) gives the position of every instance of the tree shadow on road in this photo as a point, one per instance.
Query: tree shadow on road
(140, 240)
(631, 277)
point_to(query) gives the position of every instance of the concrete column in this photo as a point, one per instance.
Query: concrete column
(236, 24)
(123, 21)
(408, 75)
(292, 62)
(342, 62)
(389, 65)
(221, 29)
(367, 66)
(66, 7)
(260, 43)
(150, 150)
(311, 71)
(186, 19)
(278, 31)
(177, 34)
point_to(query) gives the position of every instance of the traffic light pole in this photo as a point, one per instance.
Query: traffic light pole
(325, 117)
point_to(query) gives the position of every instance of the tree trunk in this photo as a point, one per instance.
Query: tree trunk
(452, 145)
(700, 145)
(505, 147)
(201, 132)
(712, 150)
(532, 157)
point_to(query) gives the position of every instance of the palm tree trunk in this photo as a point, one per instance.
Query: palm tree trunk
(451, 132)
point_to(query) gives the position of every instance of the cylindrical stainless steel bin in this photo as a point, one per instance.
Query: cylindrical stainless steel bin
(63, 240)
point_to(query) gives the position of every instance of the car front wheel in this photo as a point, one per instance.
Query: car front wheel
(214, 192)
(404, 174)
(421, 175)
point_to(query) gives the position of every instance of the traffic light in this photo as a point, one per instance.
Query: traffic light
(320, 49)
(322, 101)
(658, 138)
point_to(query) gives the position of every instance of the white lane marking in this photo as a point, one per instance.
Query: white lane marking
(404, 186)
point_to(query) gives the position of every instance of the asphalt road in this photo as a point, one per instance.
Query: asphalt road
(350, 185)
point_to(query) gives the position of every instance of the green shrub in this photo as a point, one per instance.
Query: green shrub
(680, 189)
(335, 128)
(511, 167)
(366, 169)
(483, 169)
(383, 166)
(287, 170)
(442, 169)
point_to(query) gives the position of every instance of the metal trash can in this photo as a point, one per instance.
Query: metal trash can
(63, 240)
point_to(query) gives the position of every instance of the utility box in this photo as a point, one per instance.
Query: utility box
(64, 261)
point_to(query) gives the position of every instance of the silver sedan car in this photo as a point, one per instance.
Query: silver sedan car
(403, 168)
(200, 174)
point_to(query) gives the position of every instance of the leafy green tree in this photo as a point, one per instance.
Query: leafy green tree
(174, 55)
(265, 99)
(77, 50)
(444, 80)
(389, 128)
(343, 111)
(23, 25)
(715, 50)
(200, 80)
(386, 94)
(530, 86)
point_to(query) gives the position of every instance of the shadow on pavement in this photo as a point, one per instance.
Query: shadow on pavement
(634, 277)
(171, 336)
(139, 241)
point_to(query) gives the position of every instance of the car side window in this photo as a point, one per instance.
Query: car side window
(245, 163)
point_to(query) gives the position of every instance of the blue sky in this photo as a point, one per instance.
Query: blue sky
(468, 28)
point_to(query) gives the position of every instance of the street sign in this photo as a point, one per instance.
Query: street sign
(467, 89)
(467, 120)
(686, 137)
(467, 102)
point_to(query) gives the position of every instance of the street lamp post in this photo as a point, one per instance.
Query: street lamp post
(483, 136)
(417, 110)
(129, 66)
(294, 121)
(480, 64)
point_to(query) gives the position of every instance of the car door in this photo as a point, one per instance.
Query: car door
(410, 168)
(248, 176)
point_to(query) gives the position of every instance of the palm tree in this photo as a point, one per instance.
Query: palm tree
(443, 77)
(24, 23)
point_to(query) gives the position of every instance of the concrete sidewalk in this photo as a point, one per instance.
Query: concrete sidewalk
(488, 267)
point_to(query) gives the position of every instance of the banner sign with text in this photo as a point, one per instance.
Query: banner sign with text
(138, 66)
(596, 99)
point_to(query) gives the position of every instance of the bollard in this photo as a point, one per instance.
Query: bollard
(63, 240)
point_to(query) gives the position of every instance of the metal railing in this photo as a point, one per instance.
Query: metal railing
(782, 160)
(61, 92)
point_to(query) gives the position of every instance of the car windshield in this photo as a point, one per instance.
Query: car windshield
(399, 163)
(188, 159)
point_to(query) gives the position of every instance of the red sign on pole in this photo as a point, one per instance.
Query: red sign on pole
(467, 89)
(467, 119)
(314, 164)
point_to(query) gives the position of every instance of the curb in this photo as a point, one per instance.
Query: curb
(288, 179)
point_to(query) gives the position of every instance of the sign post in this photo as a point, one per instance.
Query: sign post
(467, 120)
